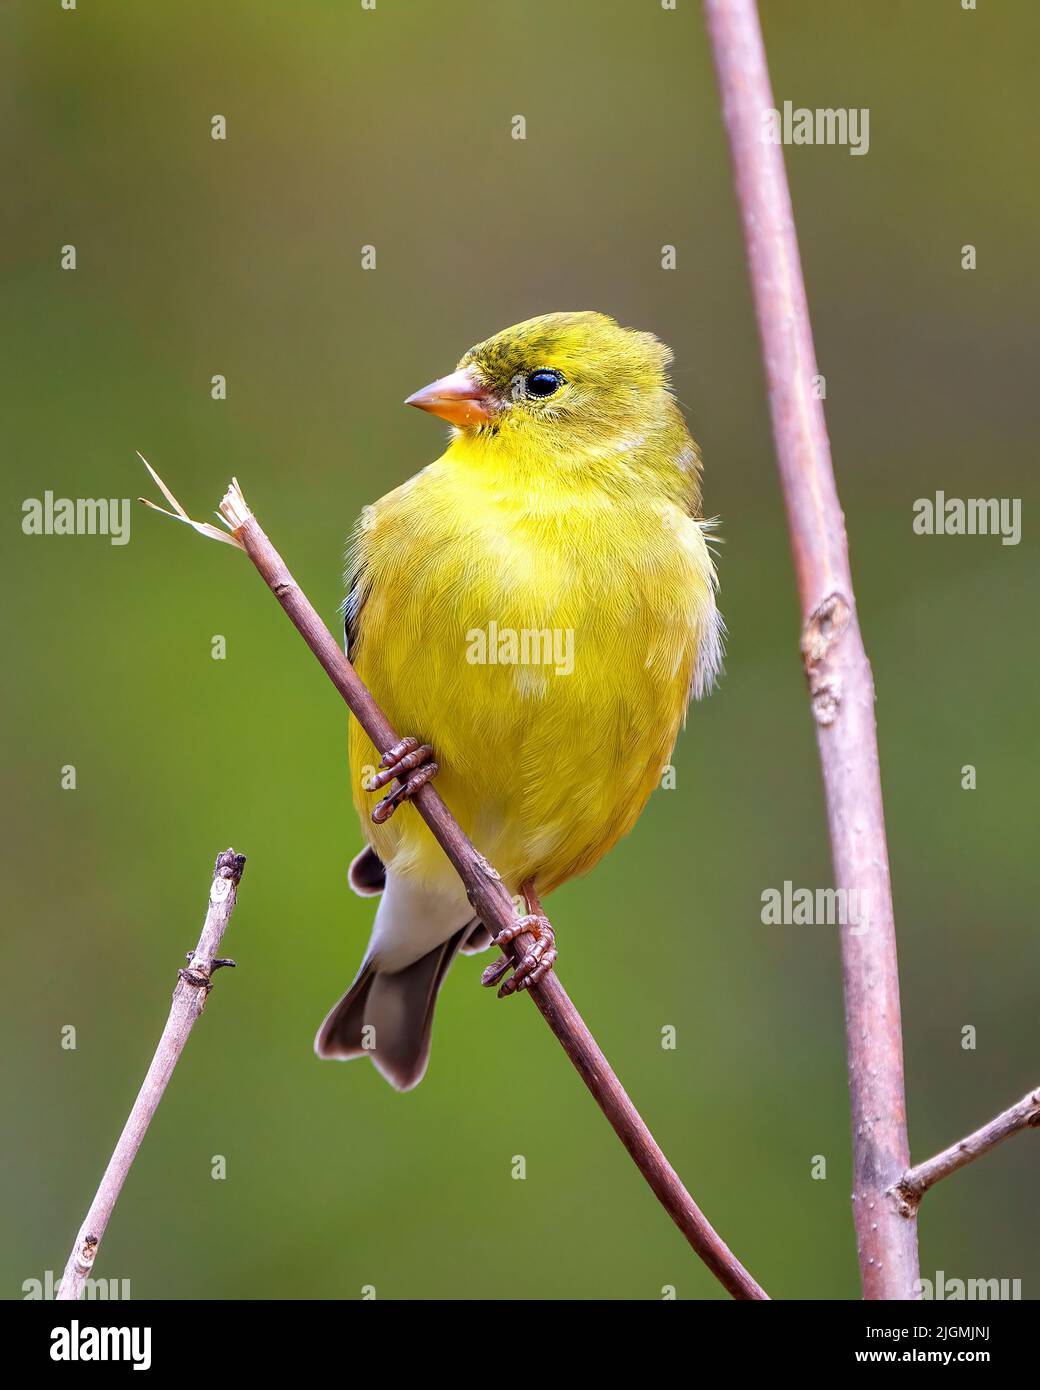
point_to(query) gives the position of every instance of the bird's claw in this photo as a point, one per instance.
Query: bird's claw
(535, 963)
(411, 764)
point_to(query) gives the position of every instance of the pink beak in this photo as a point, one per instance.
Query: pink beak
(461, 399)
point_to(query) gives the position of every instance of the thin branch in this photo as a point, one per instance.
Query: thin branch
(916, 1181)
(494, 906)
(841, 686)
(189, 999)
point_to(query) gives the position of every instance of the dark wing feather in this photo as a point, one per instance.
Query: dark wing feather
(352, 606)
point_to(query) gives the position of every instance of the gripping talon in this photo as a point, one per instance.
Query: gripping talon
(411, 764)
(536, 962)
(405, 745)
(403, 758)
(539, 970)
(495, 971)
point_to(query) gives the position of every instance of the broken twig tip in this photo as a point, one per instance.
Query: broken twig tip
(204, 528)
(234, 510)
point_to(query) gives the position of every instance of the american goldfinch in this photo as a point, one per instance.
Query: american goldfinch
(534, 609)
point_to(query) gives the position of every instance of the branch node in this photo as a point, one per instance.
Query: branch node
(824, 626)
(905, 1198)
(198, 979)
(487, 869)
(823, 629)
(85, 1254)
(229, 866)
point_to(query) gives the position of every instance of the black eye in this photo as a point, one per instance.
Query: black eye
(543, 383)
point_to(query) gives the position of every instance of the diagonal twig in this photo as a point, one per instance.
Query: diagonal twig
(189, 999)
(915, 1182)
(494, 906)
(841, 686)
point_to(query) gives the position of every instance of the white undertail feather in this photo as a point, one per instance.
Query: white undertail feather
(412, 919)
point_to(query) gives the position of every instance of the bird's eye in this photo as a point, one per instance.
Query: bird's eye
(543, 383)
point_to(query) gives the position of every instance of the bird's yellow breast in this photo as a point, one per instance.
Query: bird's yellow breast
(541, 634)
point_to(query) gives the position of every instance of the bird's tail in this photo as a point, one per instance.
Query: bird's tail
(387, 1015)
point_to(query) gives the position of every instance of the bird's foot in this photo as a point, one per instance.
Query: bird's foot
(536, 962)
(411, 763)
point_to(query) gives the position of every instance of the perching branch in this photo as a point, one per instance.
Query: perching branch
(841, 687)
(189, 999)
(916, 1181)
(492, 904)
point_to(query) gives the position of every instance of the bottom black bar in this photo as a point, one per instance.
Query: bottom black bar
(269, 1337)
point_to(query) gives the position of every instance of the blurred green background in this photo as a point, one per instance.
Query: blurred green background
(195, 257)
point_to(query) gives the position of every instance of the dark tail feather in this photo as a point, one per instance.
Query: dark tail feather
(340, 1035)
(397, 1011)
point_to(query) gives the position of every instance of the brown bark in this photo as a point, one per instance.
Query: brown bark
(189, 999)
(841, 686)
(916, 1181)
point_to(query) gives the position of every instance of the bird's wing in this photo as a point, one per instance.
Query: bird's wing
(352, 606)
(367, 873)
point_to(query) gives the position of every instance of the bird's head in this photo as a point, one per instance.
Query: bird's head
(569, 383)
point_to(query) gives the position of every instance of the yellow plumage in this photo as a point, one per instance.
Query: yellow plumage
(573, 519)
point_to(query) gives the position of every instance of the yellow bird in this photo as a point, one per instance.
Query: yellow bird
(537, 606)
